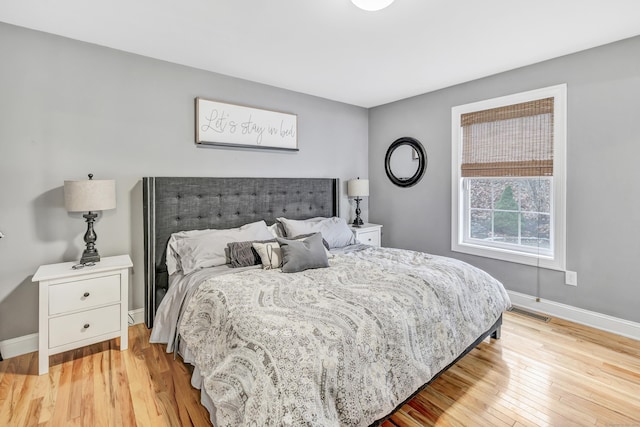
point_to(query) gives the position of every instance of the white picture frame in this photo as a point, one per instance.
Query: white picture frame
(220, 123)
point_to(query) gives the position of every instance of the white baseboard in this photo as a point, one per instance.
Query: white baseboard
(137, 316)
(20, 345)
(29, 343)
(594, 319)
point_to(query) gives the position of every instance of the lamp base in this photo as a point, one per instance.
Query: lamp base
(90, 253)
(358, 221)
(89, 256)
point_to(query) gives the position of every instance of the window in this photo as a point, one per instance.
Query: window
(508, 189)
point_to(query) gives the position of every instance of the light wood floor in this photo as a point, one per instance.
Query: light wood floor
(538, 374)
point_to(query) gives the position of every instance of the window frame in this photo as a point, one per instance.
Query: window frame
(557, 261)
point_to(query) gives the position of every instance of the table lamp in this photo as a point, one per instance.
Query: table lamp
(90, 196)
(358, 188)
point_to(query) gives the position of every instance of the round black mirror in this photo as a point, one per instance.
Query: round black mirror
(405, 162)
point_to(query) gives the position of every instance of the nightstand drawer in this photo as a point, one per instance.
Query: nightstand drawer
(370, 237)
(84, 294)
(84, 325)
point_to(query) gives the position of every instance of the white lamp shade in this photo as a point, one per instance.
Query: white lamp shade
(372, 5)
(358, 188)
(90, 195)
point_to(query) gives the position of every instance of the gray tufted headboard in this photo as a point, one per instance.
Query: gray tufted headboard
(173, 204)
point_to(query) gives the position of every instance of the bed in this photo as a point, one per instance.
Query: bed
(343, 345)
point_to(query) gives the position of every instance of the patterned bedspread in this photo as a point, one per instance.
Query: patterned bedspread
(342, 345)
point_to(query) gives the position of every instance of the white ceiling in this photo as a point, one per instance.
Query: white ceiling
(331, 49)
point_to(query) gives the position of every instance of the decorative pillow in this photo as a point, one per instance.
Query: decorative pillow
(270, 254)
(206, 248)
(334, 230)
(304, 236)
(300, 255)
(243, 254)
(324, 242)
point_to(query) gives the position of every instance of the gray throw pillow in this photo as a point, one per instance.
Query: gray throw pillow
(304, 254)
(303, 236)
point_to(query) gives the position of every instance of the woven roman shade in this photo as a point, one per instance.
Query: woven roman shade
(514, 140)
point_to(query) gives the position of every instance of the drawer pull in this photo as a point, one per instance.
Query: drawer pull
(86, 325)
(86, 294)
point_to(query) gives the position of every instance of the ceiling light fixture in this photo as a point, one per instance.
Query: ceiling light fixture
(372, 5)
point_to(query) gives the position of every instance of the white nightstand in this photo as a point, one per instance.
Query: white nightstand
(369, 234)
(82, 307)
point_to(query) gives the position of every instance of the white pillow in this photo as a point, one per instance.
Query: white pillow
(334, 230)
(173, 260)
(193, 250)
(297, 224)
(276, 229)
(270, 254)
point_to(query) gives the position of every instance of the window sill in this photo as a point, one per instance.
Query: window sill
(510, 256)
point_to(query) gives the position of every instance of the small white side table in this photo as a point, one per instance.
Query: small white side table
(82, 307)
(369, 234)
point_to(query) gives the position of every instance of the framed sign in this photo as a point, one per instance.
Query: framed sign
(218, 123)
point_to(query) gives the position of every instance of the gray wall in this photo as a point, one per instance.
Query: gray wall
(603, 179)
(69, 108)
